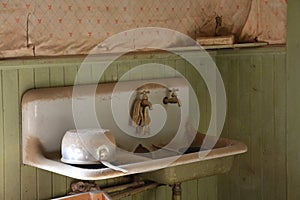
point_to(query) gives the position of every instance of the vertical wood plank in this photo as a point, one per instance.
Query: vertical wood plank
(11, 135)
(59, 182)
(152, 70)
(180, 67)
(2, 173)
(59, 185)
(111, 73)
(70, 72)
(169, 69)
(44, 184)
(192, 189)
(203, 101)
(280, 125)
(146, 195)
(161, 192)
(44, 178)
(69, 182)
(97, 71)
(233, 124)
(26, 81)
(184, 189)
(134, 74)
(84, 74)
(169, 192)
(41, 77)
(28, 173)
(223, 63)
(149, 194)
(256, 123)
(207, 188)
(293, 99)
(269, 148)
(203, 90)
(28, 183)
(246, 172)
(123, 71)
(56, 76)
(200, 88)
(193, 77)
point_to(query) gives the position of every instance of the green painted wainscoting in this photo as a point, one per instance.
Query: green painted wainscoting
(255, 81)
(256, 91)
(293, 99)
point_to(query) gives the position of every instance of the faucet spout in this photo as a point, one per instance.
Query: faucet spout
(173, 99)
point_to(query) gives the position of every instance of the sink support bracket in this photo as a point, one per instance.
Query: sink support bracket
(176, 191)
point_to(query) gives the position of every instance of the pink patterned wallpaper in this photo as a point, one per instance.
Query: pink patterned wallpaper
(66, 27)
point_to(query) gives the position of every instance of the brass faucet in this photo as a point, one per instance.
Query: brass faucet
(140, 112)
(145, 102)
(172, 98)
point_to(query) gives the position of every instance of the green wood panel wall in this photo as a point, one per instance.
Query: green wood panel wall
(256, 116)
(28, 174)
(12, 145)
(2, 172)
(293, 99)
(256, 92)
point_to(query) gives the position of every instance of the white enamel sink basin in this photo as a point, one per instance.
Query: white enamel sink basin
(168, 170)
(199, 164)
(47, 114)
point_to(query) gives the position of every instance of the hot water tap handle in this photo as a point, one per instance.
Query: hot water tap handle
(145, 102)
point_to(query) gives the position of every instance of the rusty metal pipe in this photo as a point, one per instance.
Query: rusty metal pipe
(176, 191)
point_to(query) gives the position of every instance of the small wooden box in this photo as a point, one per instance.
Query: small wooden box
(218, 40)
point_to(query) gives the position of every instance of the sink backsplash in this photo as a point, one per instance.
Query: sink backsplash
(49, 112)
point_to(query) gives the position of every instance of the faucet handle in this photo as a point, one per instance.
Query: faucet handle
(174, 90)
(144, 92)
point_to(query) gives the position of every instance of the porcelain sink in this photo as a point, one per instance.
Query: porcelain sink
(169, 169)
(48, 113)
(199, 164)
